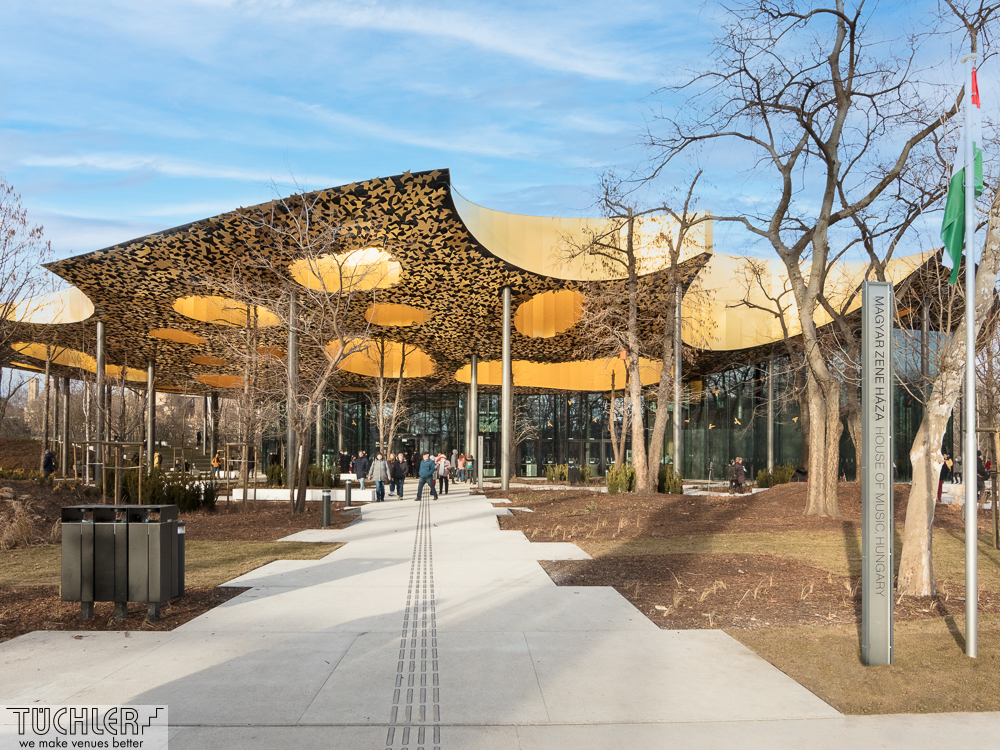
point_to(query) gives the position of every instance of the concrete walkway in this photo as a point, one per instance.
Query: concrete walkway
(431, 629)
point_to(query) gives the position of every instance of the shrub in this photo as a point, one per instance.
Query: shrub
(585, 473)
(782, 474)
(668, 481)
(275, 475)
(591, 507)
(557, 472)
(621, 480)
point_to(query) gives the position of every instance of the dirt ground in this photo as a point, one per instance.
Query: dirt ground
(20, 454)
(27, 608)
(705, 590)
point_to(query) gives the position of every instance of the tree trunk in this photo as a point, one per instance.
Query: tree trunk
(663, 393)
(916, 570)
(824, 440)
(302, 462)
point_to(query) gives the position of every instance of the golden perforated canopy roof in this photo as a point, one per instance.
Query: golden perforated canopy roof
(450, 260)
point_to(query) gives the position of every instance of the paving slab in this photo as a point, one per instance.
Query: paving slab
(431, 619)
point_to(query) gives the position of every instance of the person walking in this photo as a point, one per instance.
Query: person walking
(470, 468)
(398, 471)
(461, 468)
(443, 470)
(956, 473)
(361, 468)
(454, 460)
(344, 461)
(392, 482)
(216, 464)
(49, 464)
(945, 474)
(378, 472)
(982, 474)
(739, 475)
(426, 474)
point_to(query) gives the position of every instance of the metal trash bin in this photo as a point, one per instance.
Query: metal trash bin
(121, 553)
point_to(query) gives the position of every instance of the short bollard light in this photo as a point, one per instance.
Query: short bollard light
(347, 493)
(326, 508)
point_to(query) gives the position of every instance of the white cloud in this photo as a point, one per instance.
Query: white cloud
(112, 162)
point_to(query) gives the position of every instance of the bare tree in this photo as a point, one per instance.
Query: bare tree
(833, 111)
(23, 248)
(311, 272)
(621, 316)
(387, 398)
(617, 434)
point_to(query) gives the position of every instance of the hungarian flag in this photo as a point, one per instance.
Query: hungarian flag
(953, 229)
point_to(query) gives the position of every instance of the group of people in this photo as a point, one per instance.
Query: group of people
(952, 470)
(394, 469)
(737, 475)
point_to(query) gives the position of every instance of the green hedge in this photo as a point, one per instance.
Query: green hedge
(781, 475)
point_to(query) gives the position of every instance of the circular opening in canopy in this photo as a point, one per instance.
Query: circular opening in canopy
(548, 314)
(77, 359)
(58, 308)
(224, 311)
(351, 271)
(221, 381)
(177, 336)
(582, 375)
(371, 357)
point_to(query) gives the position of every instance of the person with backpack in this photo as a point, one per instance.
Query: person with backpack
(443, 470)
(49, 463)
(378, 472)
(426, 474)
(361, 468)
(216, 464)
(398, 472)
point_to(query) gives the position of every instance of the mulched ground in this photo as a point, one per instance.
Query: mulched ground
(648, 516)
(691, 591)
(20, 454)
(28, 608)
(24, 609)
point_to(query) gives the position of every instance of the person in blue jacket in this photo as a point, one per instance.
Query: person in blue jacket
(426, 472)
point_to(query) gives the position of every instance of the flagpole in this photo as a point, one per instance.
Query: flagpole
(971, 476)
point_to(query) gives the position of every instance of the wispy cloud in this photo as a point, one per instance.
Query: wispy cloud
(114, 162)
(556, 40)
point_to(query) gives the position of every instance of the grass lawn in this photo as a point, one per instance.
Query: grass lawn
(930, 672)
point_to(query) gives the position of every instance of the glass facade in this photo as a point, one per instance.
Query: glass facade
(725, 415)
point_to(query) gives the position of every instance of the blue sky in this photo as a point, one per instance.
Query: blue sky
(122, 118)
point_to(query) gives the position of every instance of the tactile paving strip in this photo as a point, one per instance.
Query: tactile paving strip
(415, 716)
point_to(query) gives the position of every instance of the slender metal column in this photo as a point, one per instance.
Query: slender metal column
(204, 425)
(319, 436)
(474, 413)
(293, 378)
(970, 463)
(770, 414)
(506, 403)
(213, 423)
(678, 380)
(151, 411)
(64, 458)
(101, 404)
(87, 413)
(340, 428)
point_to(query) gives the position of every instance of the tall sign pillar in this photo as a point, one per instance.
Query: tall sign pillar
(877, 312)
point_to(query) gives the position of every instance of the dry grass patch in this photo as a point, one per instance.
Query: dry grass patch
(930, 674)
(206, 563)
